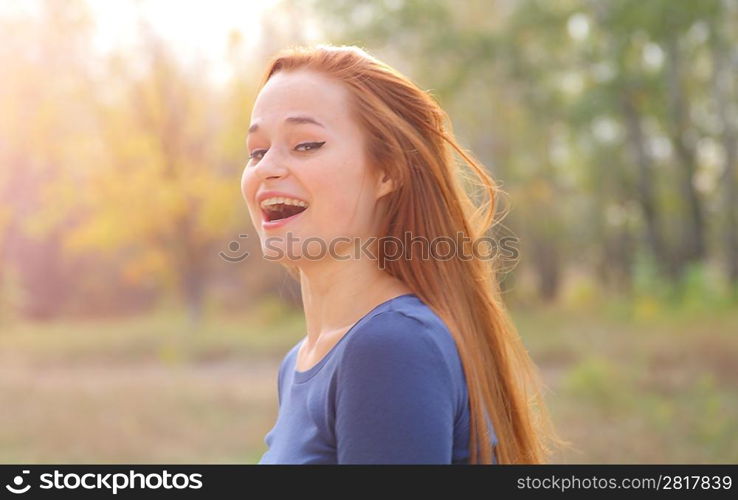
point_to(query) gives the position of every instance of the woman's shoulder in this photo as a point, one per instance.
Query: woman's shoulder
(406, 352)
(406, 326)
(418, 319)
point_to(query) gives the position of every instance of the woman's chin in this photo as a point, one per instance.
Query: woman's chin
(277, 250)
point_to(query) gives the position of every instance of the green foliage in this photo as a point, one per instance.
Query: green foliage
(648, 280)
(600, 382)
(656, 391)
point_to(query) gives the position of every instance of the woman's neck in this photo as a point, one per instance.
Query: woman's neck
(336, 294)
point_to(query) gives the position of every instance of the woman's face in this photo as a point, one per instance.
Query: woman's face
(305, 150)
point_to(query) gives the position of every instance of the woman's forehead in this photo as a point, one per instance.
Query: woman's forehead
(301, 93)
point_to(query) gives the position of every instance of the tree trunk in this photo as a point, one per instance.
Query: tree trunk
(547, 263)
(192, 264)
(723, 94)
(693, 237)
(645, 185)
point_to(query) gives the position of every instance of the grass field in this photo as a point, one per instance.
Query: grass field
(624, 386)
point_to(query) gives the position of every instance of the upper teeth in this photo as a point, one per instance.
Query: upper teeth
(285, 201)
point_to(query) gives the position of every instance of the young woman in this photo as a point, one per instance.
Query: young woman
(410, 356)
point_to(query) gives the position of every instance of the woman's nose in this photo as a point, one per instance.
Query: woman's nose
(271, 166)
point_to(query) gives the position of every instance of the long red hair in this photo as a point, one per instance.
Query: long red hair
(410, 137)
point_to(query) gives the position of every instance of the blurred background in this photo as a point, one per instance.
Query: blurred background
(139, 322)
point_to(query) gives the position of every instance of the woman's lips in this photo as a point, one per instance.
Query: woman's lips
(274, 224)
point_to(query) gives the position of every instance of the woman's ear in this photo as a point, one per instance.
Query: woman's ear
(385, 184)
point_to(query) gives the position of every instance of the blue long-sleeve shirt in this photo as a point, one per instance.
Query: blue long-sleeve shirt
(392, 390)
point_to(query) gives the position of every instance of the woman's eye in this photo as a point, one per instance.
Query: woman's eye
(311, 145)
(259, 153)
(253, 155)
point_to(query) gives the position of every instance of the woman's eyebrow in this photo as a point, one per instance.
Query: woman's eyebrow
(295, 120)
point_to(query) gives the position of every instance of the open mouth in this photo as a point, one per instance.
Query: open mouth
(282, 208)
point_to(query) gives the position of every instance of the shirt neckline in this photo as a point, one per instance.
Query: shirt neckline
(304, 376)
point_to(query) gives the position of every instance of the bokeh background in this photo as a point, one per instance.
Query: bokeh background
(134, 328)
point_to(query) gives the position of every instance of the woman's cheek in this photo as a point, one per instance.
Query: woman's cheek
(348, 219)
